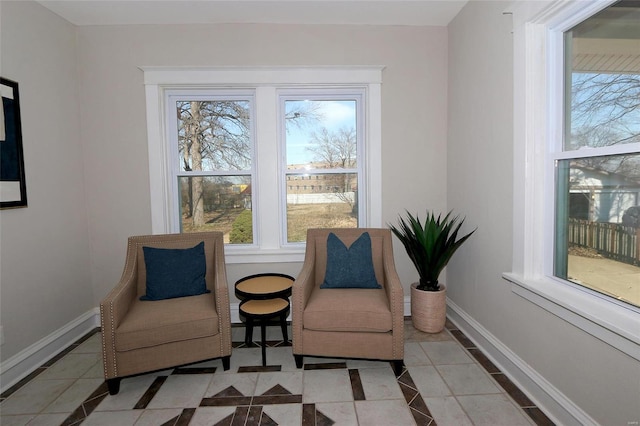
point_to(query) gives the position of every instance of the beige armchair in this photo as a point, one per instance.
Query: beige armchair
(348, 322)
(140, 336)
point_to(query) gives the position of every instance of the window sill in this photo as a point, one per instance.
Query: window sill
(237, 255)
(613, 323)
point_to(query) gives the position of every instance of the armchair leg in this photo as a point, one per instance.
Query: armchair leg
(299, 360)
(226, 362)
(113, 385)
(398, 365)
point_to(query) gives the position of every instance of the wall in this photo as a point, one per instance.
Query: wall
(590, 376)
(113, 125)
(44, 251)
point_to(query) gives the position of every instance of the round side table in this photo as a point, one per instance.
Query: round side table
(264, 286)
(262, 311)
(267, 286)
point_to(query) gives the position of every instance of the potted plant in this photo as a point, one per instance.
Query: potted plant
(430, 246)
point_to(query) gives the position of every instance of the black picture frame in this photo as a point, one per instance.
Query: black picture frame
(13, 187)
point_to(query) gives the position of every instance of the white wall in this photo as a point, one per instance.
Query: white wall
(113, 127)
(592, 376)
(44, 250)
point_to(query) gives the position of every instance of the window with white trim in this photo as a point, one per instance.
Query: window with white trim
(597, 162)
(264, 153)
(211, 161)
(323, 148)
(539, 117)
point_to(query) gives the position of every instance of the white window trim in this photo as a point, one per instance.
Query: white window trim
(264, 79)
(352, 93)
(537, 27)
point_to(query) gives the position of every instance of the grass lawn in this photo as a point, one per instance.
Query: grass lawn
(300, 217)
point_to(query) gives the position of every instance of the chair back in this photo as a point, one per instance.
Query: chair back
(317, 248)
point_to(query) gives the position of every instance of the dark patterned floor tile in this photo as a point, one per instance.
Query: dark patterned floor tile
(356, 385)
(75, 418)
(227, 421)
(518, 396)
(231, 391)
(484, 361)
(185, 417)
(406, 379)
(150, 393)
(194, 370)
(230, 401)
(449, 325)
(538, 416)
(408, 392)
(277, 399)
(464, 340)
(21, 383)
(259, 369)
(171, 422)
(312, 417)
(308, 415)
(326, 366)
(277, 390)
(323, 420)
(422, 419)
(265, 420)
(418, 404)
(254, 416)
(87, 407)
(240, 416)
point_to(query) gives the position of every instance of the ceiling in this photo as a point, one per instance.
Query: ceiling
(356, 12)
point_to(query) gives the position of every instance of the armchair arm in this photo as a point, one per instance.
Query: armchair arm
(221, 293)
(113, 308)
(302, 288)
(395, 294)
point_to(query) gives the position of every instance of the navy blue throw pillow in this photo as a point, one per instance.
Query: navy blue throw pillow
(349, 267)
(174, 273)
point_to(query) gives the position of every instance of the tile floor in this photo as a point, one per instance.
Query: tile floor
(447, 381)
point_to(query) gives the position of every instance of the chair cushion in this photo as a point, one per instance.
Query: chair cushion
(165, 321)
(174, 272)
(349, 267)
(348, 309)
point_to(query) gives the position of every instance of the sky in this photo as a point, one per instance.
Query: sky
(334, 115)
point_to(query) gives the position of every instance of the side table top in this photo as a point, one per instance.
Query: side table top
(264, 307)
(264, 286)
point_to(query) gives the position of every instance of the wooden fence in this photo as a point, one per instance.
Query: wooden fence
(611, 240)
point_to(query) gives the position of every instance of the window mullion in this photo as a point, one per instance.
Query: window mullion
(266, 193)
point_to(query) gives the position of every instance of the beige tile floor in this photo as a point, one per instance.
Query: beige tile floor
(444, 371)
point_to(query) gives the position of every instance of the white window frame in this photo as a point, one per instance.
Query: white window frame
(171, 96)
(353, 93)
(266, 81)
(538, 112)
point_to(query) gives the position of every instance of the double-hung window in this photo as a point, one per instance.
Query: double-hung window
(211, 159)
(597, 159)
(577, 152)
(323, 154)
(263, 154)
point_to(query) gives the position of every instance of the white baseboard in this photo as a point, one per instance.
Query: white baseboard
(556, 405)
(28, 360)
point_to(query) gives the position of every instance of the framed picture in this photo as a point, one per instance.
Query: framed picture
(13, 189)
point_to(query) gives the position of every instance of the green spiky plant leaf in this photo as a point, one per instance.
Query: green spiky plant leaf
(430, 245)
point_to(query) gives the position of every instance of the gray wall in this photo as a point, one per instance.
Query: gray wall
(86, 142)
(414, 97)
(87, 172)
(44, 249)
(599, 379)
